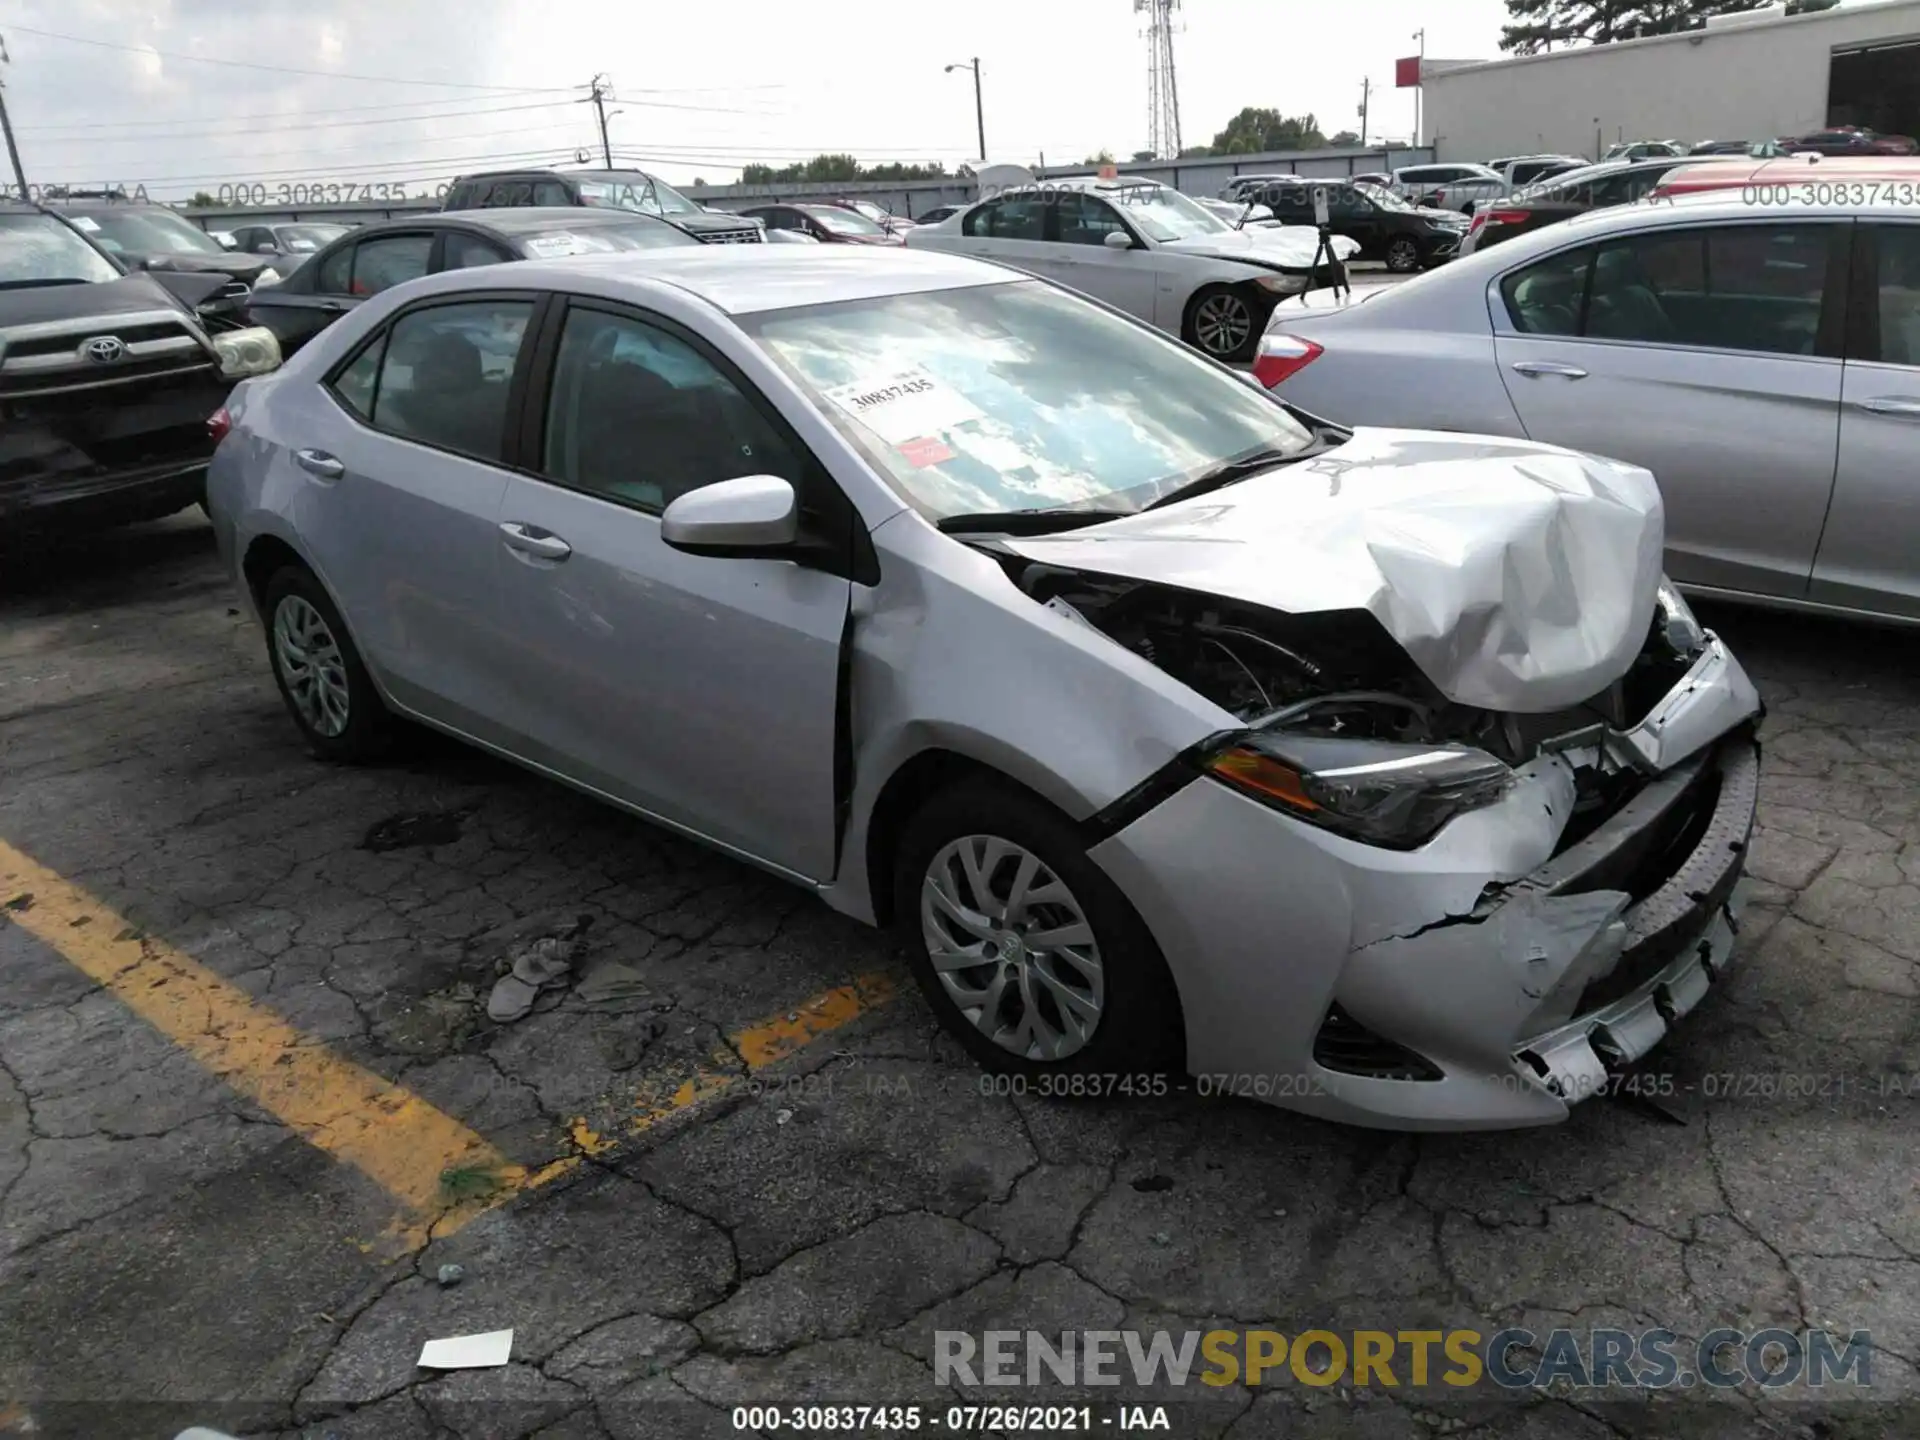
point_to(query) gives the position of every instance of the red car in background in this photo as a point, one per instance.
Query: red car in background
(829, 224)
(1787, 173)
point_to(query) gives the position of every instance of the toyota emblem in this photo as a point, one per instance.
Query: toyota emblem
(103, 349)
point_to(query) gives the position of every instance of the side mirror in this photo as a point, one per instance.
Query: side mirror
(1118, 240)
(265, 247)
(755, 515)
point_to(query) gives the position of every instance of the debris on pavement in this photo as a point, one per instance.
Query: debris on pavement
(405, 832)
(782, 1117)
(467, 1352)
(542, 964)
(449, 1275)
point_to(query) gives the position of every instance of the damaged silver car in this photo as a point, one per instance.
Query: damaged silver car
(1378, 774)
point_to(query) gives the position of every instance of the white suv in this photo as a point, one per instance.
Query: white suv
(1449, 187)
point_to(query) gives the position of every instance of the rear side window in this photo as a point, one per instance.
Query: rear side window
(390, 260)
(446, 374)
(466, 251)
(1017, 217)
(1900, 294)
(1754, 288)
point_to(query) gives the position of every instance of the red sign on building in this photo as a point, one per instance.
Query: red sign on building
(1406, 73)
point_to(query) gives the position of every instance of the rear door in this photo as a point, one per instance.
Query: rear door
(330, 285)
(1870, 554)
(1711, 356)
(1010, 229)
(400, 464)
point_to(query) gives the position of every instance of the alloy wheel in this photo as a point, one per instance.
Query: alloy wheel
(1012, 947)
(1402, 255)
(311, 665)
(1222, 323)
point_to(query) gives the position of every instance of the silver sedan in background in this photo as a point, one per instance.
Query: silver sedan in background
(1372, 773)
(1762, 361)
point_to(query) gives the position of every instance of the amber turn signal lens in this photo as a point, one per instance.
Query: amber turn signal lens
(1263, 775)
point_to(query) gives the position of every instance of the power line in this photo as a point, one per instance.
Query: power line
(279, 114)
(290, 69)
(228, 133)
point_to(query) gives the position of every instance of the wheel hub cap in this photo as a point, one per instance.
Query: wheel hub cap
(1223, 324)
(311, 664)
(1012, 948)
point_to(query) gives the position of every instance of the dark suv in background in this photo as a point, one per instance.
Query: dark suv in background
(1612, 182)
(633, 190)
(145, 236)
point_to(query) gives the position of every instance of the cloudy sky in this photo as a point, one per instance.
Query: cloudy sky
(413, 91)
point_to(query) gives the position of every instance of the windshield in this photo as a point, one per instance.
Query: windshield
(872, 211)
(636, 192)
(39, 250)
(303, 238)
(635, 234)
(843, 222)
(147, 232)
(1165, 214)
(1017, 397)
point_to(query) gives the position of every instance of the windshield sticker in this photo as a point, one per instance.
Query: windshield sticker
(86, 223)
(924, 451)
(909, 406)
(548, 247)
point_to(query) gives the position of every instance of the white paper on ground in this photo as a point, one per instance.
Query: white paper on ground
(466, 1352)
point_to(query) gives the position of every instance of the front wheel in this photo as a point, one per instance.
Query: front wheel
(1221, 322)
(1403, 255)
(1029, 955)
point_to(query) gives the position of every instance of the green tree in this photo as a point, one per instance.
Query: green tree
(830, 169)
(202, 201)
(1256, 129)
(1194, 152)
(1537, 25)
(1105, 157)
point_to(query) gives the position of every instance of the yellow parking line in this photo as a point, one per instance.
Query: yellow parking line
(443, 1173)
(392, 1136)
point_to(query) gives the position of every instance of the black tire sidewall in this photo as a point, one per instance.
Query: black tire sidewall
(1397, 244)
(1139, 1032)
(1255, 315)
(368, 724)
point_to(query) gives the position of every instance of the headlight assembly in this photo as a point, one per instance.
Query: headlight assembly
(252, 351)
(1281, 284)
(1385, 793)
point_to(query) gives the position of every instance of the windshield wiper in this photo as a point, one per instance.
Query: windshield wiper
(1247, 466)
(1027, 522)
(30, 284)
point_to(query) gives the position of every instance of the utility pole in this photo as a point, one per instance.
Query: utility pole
(1366, 94)
(6, 127)
(979, 107)
(600, 87)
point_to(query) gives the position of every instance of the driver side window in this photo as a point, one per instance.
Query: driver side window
(1086, 220)
(639, 416)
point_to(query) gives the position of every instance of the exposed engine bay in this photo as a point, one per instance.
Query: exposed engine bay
(1335, 673)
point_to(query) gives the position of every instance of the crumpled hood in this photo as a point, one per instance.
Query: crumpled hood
(1289, 245)
(1518, 577)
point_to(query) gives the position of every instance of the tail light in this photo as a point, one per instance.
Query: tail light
(1504, 217)
(218, 424)
(1281, 357)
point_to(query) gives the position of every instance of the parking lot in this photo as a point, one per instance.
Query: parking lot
(251, 1104)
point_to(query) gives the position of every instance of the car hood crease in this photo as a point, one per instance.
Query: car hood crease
(1517, 577)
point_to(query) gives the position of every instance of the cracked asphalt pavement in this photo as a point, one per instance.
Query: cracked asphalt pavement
(171, 1253)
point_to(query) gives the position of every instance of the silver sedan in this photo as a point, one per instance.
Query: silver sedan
(1762, 360)
(1373, 773)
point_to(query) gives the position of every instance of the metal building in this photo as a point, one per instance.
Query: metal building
(1745, 77)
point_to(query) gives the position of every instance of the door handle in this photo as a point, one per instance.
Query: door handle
(531, 540)
(1906, 405)
(1550, 367)
(319, 464)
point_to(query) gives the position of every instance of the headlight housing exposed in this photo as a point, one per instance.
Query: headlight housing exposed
(1281, 284)
(1675, 618)
(252, 351)
(1383, 793)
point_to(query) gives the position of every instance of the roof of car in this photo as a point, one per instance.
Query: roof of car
(745, 279)
(1707, 205)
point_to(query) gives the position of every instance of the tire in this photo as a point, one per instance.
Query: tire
(332, 698)
(1211, 318)
(1051, 1013)
(1403, 254)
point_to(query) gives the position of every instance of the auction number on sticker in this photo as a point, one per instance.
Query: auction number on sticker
(826, 1417)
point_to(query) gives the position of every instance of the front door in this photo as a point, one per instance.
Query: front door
(1708, 355)
(399, 470)
(698, 689)
(1868, 556)
(1124, 279)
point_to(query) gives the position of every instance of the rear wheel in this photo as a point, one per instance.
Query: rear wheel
(1030, 956)
(1403, 254)
(1221, 321)
(326, 687)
